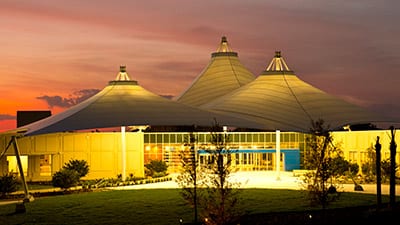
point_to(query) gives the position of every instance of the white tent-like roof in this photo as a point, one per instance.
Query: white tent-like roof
(223, 74)
(125, 103)
(280, 99)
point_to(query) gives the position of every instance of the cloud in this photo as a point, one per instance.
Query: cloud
(7, 117)
(75, 98)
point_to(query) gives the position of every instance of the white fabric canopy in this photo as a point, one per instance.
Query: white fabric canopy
(280, 99)
(223, 74)
(125, 103)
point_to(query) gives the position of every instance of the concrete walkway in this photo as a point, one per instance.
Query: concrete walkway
(266, 179)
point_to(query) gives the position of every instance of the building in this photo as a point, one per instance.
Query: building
(124, 126)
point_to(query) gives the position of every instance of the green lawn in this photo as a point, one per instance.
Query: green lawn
(148, 206)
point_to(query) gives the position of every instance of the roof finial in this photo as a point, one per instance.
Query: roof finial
(122, 75)
(224, 39)
(122, 69)
(278, 64)
(224, 46)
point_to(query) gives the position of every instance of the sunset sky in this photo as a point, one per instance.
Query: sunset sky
(54, 53)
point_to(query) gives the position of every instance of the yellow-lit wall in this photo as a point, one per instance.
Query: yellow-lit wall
(102, 151)
(355, 144)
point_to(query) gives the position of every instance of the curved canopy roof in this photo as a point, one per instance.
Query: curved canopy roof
(223, 74)
(124, 103)
(280, 99)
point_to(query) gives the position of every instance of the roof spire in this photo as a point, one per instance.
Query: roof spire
(224, 46)
(224, 49)
(278, 64)
(122, 75)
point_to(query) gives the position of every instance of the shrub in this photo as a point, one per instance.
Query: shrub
(65, 178)
(8, 184)
(79, 166)
(156, 167)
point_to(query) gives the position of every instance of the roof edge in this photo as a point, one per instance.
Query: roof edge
(123, 82)
(216, 54)
(289, 72)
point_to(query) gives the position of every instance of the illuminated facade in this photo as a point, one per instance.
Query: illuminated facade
(250, 150)
(44, 155)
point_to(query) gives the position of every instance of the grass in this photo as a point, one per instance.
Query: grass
(154, 206)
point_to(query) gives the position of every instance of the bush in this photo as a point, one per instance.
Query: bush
(79, 166)
(70, 174)
(8, 184)
(156, 167)
(65, 178)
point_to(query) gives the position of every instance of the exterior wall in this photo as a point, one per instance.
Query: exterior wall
(48, 153)
(102, 150)
(355, 144)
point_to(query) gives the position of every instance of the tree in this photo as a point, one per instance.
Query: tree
(221, 196)
(208, 185)
(321, 157)
(190, 175)
(368, 168)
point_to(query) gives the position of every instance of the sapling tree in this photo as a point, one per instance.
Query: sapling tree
(321, 157)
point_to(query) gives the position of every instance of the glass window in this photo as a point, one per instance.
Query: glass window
(262, 137)
(201, 138)
(242, 138)
(284, 137)
(152, 138)
(255, 137)
(235, 137)
(45, 165)
(166, 138)
(179, 138)
(159, 138)
(292, 137)
(172, 138)
(249, 137)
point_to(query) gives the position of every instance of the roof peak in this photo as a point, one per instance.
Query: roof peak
(224, 45)
(122, 75)
(224, 49)
(122, 78)
(278, 65)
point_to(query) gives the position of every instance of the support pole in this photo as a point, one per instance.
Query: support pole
(123, 151)
(27, 197)
(392, 186)
(278, 153)
(378, 147)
